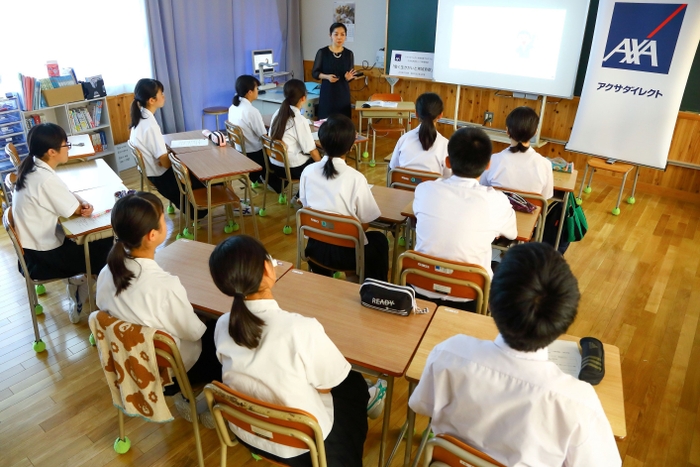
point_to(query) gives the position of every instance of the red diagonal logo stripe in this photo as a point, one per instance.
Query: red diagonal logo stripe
(665, 22)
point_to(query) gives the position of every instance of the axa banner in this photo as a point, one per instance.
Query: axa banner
(637, 72)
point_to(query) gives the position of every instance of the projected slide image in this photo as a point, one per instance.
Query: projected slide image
(509, 41)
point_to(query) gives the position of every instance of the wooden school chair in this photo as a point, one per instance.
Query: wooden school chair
(34, 287)
(594, 163)
(453, 278)
(235, 137)
(447, 451)
(221, 195)
(282, 425)
(167, 356)
(10, 178)
(141, 167)
(385, 125)
(334, 229)
(277, 150)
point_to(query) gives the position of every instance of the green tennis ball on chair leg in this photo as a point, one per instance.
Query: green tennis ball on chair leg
(122, 446)
(616, 212)
(365, 155)
(588, 189)
(171, 209)
(40, 289)
(287, 230)
(262, 212)
(631, 200)
(38, 309)
(39, 346)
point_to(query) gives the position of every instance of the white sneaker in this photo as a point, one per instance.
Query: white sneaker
(377, 394)
(246, 210)
(183, 406)
(76, 290)
(207, 419)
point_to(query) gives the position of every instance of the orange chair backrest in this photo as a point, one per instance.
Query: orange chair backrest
(9, 223)
(413, 260)
(330, 223)
(11, 152)
(404, 178)
(387, 97)
(243, 403)
(442, 455)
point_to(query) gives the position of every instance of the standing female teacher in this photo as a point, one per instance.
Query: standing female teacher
(334, 66)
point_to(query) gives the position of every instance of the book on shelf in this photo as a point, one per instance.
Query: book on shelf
(97, 112)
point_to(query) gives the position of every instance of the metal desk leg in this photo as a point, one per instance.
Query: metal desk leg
(565, 203)
(209, 226)
(411, 421)
(395, 255)
(249, 194)
(631, 199)
(88, 273)
(423, 442)
(387, 418)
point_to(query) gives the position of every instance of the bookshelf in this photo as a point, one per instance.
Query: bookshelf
(65, 114)
(12, 130)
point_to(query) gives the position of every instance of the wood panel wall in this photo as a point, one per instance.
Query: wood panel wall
(558, 121)
(119, 107)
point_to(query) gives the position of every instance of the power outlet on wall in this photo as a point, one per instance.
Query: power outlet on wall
(488, 117)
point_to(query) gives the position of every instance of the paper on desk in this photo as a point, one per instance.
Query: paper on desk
(185, 143)
(314, 135)
(79, 225)
(388, 105)
(565, 355)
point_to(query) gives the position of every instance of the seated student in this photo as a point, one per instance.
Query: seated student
(290, 126)
(39, 199)
(519, 167)
(504, 397)
(135, 289)
(147, 137)
(331, 185)
(284, 358)
(243, 114)
(457, 218)
(423, 148)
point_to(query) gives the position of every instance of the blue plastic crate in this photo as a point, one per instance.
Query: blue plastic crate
(10, 117)
(10, 128)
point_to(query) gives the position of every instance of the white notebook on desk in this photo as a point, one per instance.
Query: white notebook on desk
(566, 355)
(188, 143)
(388, 105)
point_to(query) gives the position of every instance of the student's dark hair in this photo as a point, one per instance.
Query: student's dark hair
(237, 265)
(534, 296)
(145, 89)
(469, 151)
(337, 135)
(335, 26)
(522, 125)
(133, 216)
(294, 90)
(428, 107)
(244, 84)
(41, 138)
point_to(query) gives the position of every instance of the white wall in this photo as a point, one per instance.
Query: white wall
(370, 28)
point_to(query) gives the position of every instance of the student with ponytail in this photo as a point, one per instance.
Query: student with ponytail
(148, 138)
(332, 186)
(519, 167)
(40, 198)
(134, 288)
(284, 358)
(290, 126)
(423, 148)
(243, 114)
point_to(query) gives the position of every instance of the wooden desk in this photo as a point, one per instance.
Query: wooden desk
(564, 183)
(95, 182)
(189, 261)
(402, 110)
(215, 164)
(391, 202)
(379, 343)
(448, 322)
(525, 221)
(82, 147)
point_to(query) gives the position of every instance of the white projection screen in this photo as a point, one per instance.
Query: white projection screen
(530, 47)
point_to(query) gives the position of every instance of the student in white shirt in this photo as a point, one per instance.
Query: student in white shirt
(133, 288)
(148, 138)
(290, 126)
(423, 148)
(331, 185)
(457, 218)
(39, 199)
(519, 167)
(284, 358)
(504, 397)
(248, 118)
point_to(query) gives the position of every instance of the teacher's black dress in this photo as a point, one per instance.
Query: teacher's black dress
(335, 97)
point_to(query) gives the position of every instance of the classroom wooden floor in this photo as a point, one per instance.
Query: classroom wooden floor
(639, 274)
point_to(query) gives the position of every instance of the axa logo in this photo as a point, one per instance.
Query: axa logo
(643, 36)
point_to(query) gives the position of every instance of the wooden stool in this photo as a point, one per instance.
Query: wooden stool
(216, 111)
(615, 167)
